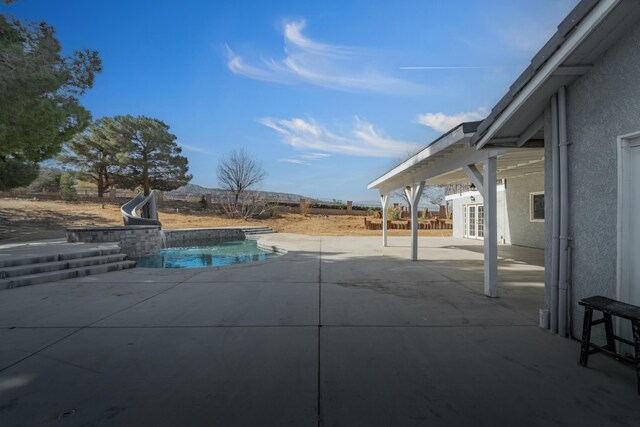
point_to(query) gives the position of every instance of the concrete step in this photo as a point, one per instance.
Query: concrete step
(54, 276)
(44, 267)
(258, 230)
(45, 258)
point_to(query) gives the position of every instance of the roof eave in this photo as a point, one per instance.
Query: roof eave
(455, 135)
(571, 32)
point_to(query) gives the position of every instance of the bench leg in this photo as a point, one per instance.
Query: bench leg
(608, 327)
(636, 341)
(586, 336)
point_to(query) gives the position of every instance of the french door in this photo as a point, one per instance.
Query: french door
(474, 221)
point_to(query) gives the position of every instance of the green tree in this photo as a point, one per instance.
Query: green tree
(48, 179)
(16, 173)
(150, 156)
(68, 187)
(95, 155)
(39, 90)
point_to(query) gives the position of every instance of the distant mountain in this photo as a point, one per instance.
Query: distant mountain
(195, 190)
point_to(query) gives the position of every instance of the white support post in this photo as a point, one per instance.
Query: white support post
(414, 192)
(490, 228)
(384, 200)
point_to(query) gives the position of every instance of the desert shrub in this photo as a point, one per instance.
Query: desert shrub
(250, 204)
(272, 211)
(337, 204)
(394, 214)
(202, 203)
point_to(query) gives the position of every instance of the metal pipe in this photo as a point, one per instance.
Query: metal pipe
(569, 296)
(564, 213)
(555, 222)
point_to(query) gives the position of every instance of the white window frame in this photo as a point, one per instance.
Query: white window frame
(623, 141)
(531, 218)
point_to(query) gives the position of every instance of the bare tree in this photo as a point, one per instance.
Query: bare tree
(433, 194)
(239, 174)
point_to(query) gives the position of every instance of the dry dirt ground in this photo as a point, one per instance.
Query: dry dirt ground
(24, 220)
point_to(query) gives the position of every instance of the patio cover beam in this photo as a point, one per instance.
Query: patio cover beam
(474, 176)
(455, 161)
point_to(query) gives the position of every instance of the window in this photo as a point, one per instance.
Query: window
(536, 207)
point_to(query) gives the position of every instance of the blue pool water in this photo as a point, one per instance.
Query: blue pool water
(235, 252)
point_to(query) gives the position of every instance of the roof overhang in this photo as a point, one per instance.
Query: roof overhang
(582, 38)
(444, 160)
(412, 170)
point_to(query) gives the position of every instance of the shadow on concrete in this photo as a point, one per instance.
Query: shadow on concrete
(320, 336)
(510, 253)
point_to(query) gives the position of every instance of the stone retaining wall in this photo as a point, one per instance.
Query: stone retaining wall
(135, 240)
(202, 236)
(141, 240)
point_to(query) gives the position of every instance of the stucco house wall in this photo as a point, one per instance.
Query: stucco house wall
(456, 207)
(513, 217)
(523, 231)
(601, 105)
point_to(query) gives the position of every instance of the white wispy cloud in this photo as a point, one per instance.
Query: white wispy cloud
(194, 148)
(442, 122)
(363, 140)
(314, 156)
(313, 62)
(304, 159)
(294, 161)
(456, 67)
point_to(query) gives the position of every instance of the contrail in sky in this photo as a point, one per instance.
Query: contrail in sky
(455, 68)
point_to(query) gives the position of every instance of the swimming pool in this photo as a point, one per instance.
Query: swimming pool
(227, 253)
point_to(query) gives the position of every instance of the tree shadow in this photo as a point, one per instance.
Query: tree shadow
(18, 225)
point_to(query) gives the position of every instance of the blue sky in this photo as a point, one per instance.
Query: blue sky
(318, 91)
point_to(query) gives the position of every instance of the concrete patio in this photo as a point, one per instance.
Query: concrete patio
(339, 331)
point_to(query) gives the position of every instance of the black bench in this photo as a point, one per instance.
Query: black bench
(610, 307)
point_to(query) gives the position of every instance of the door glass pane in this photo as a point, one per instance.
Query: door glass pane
(465, 221)
(472, 221)
(481, 221)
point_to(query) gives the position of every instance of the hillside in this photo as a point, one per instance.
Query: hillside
(270, 196)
